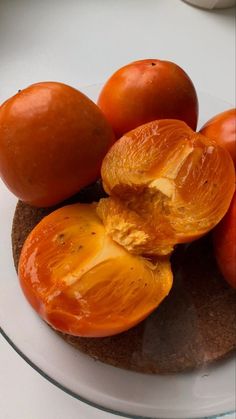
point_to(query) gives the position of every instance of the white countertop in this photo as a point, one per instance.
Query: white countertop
(83, 42)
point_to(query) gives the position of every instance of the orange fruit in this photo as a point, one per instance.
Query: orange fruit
(146, 90)
(167, 185)
(222, 129)
(52, 142)
(82, 282)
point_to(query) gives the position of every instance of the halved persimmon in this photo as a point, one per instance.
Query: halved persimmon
(167, 185)
(82, 282)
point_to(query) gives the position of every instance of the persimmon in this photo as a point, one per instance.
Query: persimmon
(82, 282)
(224, 238)
(222, 129)
(167, 185)
(146, 90)
(52, 142)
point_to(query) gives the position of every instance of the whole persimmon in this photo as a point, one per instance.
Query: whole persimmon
(83, 283)
(52, 142)
(146, 90)
(224, 237)
(167, 185)
(222, 129)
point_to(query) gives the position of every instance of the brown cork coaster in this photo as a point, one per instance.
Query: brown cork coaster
(194, 326)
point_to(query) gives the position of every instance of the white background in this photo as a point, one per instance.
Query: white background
(82, 42)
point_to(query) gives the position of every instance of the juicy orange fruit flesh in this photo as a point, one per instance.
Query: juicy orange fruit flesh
(176, 185)
(82, 282)
(86, 269)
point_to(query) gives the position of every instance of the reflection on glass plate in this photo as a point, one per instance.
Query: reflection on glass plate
(206, 392)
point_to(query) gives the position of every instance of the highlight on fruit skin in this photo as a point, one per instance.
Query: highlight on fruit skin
(53, 139)
(82, 282)
(146, 90)
(167, 184)
(222, 129)
(224, 240)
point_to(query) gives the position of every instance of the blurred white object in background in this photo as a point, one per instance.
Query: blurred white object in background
(212, 4)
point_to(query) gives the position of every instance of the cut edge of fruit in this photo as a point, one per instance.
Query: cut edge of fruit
(130, 230)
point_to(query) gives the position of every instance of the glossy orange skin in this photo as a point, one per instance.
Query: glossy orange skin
(81, 282)
(222, 129)
(224, 237)
(146, 90)
(52, 142)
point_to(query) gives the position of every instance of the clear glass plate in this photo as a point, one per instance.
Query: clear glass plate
(202, 393)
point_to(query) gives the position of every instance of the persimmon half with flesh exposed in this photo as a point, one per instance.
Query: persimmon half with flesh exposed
(83, 283)
(167, 185)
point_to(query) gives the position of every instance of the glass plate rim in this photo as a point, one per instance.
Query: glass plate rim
(83, 399)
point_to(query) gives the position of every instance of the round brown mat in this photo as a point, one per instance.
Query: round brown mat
(195, 325)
